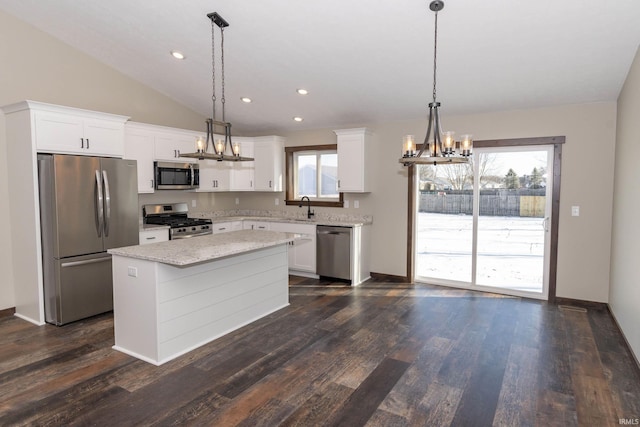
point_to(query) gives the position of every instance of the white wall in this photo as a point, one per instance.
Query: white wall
(624, 295)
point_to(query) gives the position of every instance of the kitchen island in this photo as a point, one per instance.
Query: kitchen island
(172, 297)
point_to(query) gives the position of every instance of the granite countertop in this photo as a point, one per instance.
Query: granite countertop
(268, 216)
(185, 252)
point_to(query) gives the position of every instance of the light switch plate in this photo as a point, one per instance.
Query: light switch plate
(356, 204)
(575, 210)
(346, 204)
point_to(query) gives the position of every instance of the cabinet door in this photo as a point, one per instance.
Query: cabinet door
(350, 164)
(353, 157)
(302, 252)
(268, 174)
(242, 172)
(139, 146)
(104, 138)
(59, 133)
(214, 176)
(168, 146)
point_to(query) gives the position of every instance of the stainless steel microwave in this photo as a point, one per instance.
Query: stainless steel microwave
(176, 176)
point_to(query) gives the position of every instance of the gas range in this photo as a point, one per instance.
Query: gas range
(176, 216)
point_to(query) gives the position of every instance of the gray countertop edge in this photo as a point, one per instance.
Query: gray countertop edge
(187, 252)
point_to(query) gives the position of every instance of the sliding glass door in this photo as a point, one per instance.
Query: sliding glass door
(485, 225)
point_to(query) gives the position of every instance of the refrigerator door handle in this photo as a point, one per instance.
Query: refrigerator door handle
(99, 206)
(107, 203)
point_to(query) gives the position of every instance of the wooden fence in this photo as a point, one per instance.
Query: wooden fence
(500, 202)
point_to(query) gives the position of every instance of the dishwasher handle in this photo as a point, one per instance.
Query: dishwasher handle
(333, 232)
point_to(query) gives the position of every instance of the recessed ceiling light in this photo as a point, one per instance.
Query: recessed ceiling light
(245, 99)
(302, 91)
(177, 55)
(298, 119)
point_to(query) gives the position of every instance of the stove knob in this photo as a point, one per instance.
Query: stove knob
(193, 229)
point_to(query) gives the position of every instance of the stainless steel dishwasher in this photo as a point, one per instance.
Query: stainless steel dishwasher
(334, 251)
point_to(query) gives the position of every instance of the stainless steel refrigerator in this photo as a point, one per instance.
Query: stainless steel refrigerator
(87, 205)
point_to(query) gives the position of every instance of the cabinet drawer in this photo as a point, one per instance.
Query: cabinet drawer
(154, 236)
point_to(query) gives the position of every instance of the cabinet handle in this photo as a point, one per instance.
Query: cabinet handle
(151, 238)
(87, 143)
(81, 142)
(151, 183)
(251, 183)
(269, 183)
(222, 228)
(338, 183)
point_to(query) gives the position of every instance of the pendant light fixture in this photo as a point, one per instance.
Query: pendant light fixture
(226, 149)
(441, 147)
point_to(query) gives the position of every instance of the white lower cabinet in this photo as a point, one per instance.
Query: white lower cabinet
(225, 227)
(302, 252)
(256, 225)
(154, 235)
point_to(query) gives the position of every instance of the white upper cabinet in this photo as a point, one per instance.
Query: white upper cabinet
(73, 131)
(269, 154)
(170, 143)
(242, 173)
(353, 158)
(214, 176)
(139, 145)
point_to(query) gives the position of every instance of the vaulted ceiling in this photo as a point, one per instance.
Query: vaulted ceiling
(361, 60)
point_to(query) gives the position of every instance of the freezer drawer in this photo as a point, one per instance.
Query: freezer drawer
(80, 287)
(334, 252)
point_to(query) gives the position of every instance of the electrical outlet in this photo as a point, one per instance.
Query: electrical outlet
(277, 201)
(575, 210)
(237, 200)
(193, 203)
(356, 204)
(132, 272)
(346, 204)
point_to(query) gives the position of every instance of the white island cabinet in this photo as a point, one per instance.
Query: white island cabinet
(172, 297)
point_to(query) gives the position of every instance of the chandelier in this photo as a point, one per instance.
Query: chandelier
(222, 149)
(441, 147)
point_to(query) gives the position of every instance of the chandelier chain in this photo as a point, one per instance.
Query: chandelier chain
(222, 69)
(213, 70)
(435, 55)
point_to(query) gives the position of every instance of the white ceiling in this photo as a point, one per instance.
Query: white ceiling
(361, 60)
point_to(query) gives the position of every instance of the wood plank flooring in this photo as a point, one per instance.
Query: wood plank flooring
(382, 354)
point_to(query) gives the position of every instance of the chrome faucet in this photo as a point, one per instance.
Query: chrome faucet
(310, 213)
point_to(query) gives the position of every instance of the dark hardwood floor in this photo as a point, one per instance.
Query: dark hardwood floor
(382, 354)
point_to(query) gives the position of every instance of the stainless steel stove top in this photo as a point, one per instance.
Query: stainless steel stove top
(176, 216)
